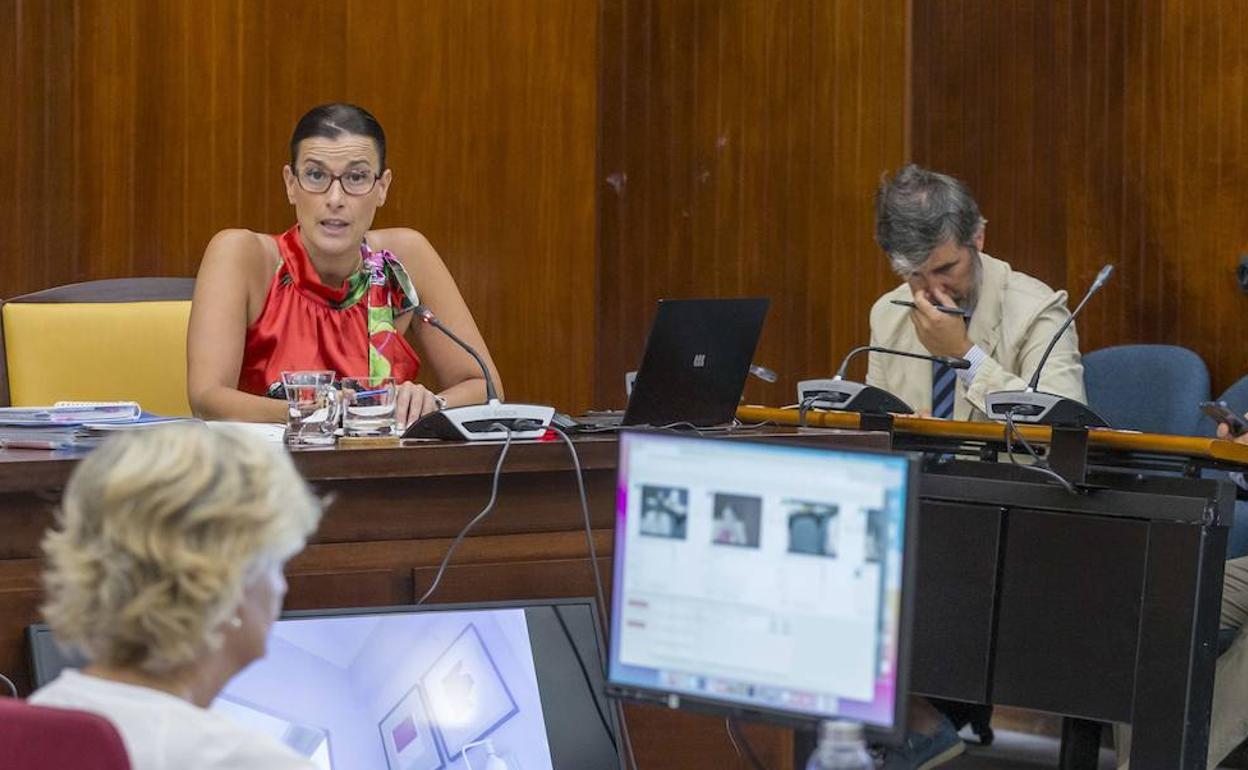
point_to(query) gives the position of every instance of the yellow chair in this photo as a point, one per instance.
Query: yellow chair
(115, 340)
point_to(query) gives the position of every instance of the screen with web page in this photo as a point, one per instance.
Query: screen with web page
(761, 576)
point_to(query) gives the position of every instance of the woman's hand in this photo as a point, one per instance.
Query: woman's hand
(411, 402)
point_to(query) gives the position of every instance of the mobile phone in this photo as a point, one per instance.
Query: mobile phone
(942, 308)
(1218, 411)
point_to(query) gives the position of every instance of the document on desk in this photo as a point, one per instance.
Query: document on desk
(274, 433)
(73, 424)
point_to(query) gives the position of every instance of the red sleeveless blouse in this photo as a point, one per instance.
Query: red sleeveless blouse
(308, 325)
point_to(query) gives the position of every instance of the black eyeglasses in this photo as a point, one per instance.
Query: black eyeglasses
(356, 181)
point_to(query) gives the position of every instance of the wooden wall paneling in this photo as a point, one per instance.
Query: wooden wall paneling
(741, 144)
(142, 127)
(37, 170)
(103, 113)
(1101, 149)
(1102, 132)
(491, 122)
(989, 100)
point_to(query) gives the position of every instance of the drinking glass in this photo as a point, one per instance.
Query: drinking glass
(368, 406)
(312, 408)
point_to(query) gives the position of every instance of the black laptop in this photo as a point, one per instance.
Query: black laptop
(697, 357)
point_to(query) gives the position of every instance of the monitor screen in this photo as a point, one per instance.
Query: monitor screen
(430, 687)
(762, 577)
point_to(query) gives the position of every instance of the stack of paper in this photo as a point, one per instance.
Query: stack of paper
(72, 424)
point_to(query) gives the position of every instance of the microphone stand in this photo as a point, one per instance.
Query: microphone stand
(1069, 419)
(1039, 408)
(479, 422)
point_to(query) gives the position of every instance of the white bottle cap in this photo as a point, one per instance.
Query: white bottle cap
(841, 731)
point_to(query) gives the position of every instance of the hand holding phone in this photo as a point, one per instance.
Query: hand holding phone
(1219, 412)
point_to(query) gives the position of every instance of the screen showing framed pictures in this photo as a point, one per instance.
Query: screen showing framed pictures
(408, 735)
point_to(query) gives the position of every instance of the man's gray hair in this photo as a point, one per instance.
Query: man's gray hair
(920, 210)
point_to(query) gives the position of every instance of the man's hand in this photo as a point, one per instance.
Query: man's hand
(942, 334)
(1225, 432)
(411, 402)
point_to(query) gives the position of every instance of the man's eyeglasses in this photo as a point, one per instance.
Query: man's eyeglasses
(356, 181)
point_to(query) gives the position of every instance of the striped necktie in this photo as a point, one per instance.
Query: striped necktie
(944, 380)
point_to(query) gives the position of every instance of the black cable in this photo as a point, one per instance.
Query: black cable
(804, 408)
(9, 684)
(734, 729)
(629, 756)
(1039, 465)
(489, 506)
(589, 683)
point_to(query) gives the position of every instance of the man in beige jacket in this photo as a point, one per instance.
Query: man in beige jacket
(930, 228)
(932, 232)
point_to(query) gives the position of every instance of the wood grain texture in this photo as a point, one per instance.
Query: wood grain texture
(1095, 132)
(741, 144)
(139, 128)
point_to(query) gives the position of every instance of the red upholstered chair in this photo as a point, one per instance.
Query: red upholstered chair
(37, 737)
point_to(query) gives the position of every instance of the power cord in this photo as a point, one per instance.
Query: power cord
(1039, 465)
(489, 506)
(733, 739)
(804, 408)
(8, 683)
(629, 756)
(589, 532)
(589, 685)
(737, 737)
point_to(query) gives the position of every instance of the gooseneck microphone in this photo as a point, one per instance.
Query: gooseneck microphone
(492, 420)
(1035, 406)
(1097, 283)
(848, 396)
(952, 362)
(426, 315)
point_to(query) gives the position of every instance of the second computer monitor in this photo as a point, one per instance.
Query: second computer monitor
(763, 578)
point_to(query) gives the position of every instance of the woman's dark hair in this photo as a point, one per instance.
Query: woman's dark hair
(332, 121)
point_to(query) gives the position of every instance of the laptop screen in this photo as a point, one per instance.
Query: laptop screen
(432, 687)
(762, 577)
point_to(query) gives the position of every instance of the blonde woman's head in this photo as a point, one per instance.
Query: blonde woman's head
(169, 545)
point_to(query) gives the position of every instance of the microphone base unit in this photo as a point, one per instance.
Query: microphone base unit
(479, 422)
(848, 396)
(1033, 407)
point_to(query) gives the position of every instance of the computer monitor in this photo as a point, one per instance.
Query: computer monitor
(424, 688)
(763, 579)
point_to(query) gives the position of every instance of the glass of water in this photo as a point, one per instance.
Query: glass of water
(312, 408)
(368, 406)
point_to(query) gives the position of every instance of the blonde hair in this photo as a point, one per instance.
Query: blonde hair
(158, 532)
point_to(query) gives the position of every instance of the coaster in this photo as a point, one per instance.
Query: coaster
(367, 442)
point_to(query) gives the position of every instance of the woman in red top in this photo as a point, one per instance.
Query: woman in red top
(329, 293)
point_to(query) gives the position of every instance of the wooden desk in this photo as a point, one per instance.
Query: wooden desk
(393, 515)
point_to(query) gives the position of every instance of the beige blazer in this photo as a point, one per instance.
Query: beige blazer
(1013, 323)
